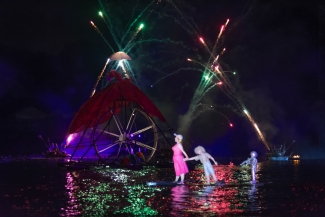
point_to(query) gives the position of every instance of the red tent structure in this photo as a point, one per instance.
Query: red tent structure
(118, 119)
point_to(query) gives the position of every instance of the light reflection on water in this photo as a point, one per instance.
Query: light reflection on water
(43, 189)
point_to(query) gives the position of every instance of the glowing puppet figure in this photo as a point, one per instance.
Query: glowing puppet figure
(204, 157)
(179, 165)
(252, 161)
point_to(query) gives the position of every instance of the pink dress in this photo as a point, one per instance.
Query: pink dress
(180, 165)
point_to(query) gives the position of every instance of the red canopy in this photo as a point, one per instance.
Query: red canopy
(96, 110)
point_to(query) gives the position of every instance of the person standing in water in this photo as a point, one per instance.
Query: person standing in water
(180, 165)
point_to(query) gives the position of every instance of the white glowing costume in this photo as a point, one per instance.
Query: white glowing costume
(252, 161)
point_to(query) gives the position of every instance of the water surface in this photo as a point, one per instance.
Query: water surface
(41, 188)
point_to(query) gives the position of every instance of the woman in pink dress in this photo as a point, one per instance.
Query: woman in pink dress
(180, 165)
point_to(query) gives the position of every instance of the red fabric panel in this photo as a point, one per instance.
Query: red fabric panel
(96, 110)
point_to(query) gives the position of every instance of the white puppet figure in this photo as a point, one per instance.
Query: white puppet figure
(204, 157)
(252, 162)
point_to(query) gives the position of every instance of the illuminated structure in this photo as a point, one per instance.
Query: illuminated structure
(119, 120)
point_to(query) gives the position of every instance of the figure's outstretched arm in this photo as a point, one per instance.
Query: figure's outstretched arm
(245, 162)
(186, 159)
(215, 162)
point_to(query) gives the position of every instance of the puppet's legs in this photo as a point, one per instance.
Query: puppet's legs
(208, 170)
(253, 176)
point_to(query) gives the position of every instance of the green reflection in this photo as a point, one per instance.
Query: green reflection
(105, 191)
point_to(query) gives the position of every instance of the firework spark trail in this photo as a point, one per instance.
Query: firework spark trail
(165, 41)
(131, 72)
(234, 110)
(175, 72)
(206, 82)
(129, 46)
(184, 17)
(177, 21)
(203, 88)
(133, 37)
(232, 98)
(225, 79)
(99, 77)
(207, 89)
(182, 90)
(135, 20)
(97, 30)
(211, 108)
(109, 26)
(223, 27)
(133, 12)
(112, 33)
(256, 127)
(146, 55)
(186, 120)
(240, 104)
(206, 69)
(206, 47)
(231, 93)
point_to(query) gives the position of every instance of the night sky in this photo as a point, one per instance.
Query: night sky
(51, 56)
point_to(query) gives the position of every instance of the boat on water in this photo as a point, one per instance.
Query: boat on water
(53, 149)
(279, 158)
(279, 154)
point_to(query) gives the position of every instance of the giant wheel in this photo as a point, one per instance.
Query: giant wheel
(131, 131)
(119, 120)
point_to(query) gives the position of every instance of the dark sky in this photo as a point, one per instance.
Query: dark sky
(50, 57)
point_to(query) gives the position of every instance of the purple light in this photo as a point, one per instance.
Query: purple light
(131, 135)
(139, 135)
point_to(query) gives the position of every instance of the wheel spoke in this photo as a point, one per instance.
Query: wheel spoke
(109, 133)
(131, 121)
(142, 145)
(118, 123)
(142, 130)
(110, 146)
